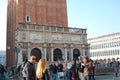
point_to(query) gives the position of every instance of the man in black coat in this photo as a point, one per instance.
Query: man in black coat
(30, 68)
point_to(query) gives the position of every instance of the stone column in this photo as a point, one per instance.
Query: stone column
(83, 50)
(65, 52)
(52, 56)
(71, 52)
(88, 51)
(45, 52)
(44, 48)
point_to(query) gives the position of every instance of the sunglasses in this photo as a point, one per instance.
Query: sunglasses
(33, 58)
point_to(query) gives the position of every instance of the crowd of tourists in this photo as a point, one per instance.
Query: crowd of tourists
(82, 68)
(78, 69)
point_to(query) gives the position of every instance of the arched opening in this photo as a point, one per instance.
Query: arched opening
(37, 53)
(105, 61)
(57, 55)
(109, 60)
(117, 58)
(76, 53)
(47, 56)
(68, 55)
(113, 59)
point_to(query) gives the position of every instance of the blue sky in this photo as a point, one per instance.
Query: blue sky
(100, 17)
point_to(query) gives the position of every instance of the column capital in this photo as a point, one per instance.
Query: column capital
(52, 45)
(83, 46)
(71, 45)
(44, 44)
(29, 44)
(65, 45)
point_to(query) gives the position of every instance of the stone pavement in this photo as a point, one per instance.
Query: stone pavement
(107, 77)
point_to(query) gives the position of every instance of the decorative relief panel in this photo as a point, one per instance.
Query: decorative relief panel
(56, 37)
(35, 36)
(46, 37)
(67, 38)
(75, 38)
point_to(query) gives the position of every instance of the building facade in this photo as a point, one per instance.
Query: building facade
(105, 48)
(41, 12)
(3, 57)
(51, 42)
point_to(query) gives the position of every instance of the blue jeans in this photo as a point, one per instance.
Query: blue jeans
(1, 76)
(56, 77)
(90, 77)
(86, 77)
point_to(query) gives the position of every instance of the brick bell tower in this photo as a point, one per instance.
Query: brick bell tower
(42, 12)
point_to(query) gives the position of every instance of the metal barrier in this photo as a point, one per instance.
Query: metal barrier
(103, 68)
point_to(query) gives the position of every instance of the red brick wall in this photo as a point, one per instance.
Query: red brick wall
(51, 12)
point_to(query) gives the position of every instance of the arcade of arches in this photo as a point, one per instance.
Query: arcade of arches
(58, 54)
(104, 61)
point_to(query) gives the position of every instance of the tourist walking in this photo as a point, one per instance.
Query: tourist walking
(80, 69)
(51, 69)
(41, 70)
(74, 69)
(29, 68)
(23, 69)
(68, 73)
(60, 70)
(88, 71)
(115, 65)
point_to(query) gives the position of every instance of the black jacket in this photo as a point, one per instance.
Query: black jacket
(45, 76)
(30, 71)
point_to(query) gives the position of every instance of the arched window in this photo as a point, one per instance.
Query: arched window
(57, 55)
(76, 53)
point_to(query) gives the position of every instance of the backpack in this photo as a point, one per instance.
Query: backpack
(24, 71)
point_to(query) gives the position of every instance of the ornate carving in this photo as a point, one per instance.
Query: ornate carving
(56, 37)
(75, 38)
(35, 36)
